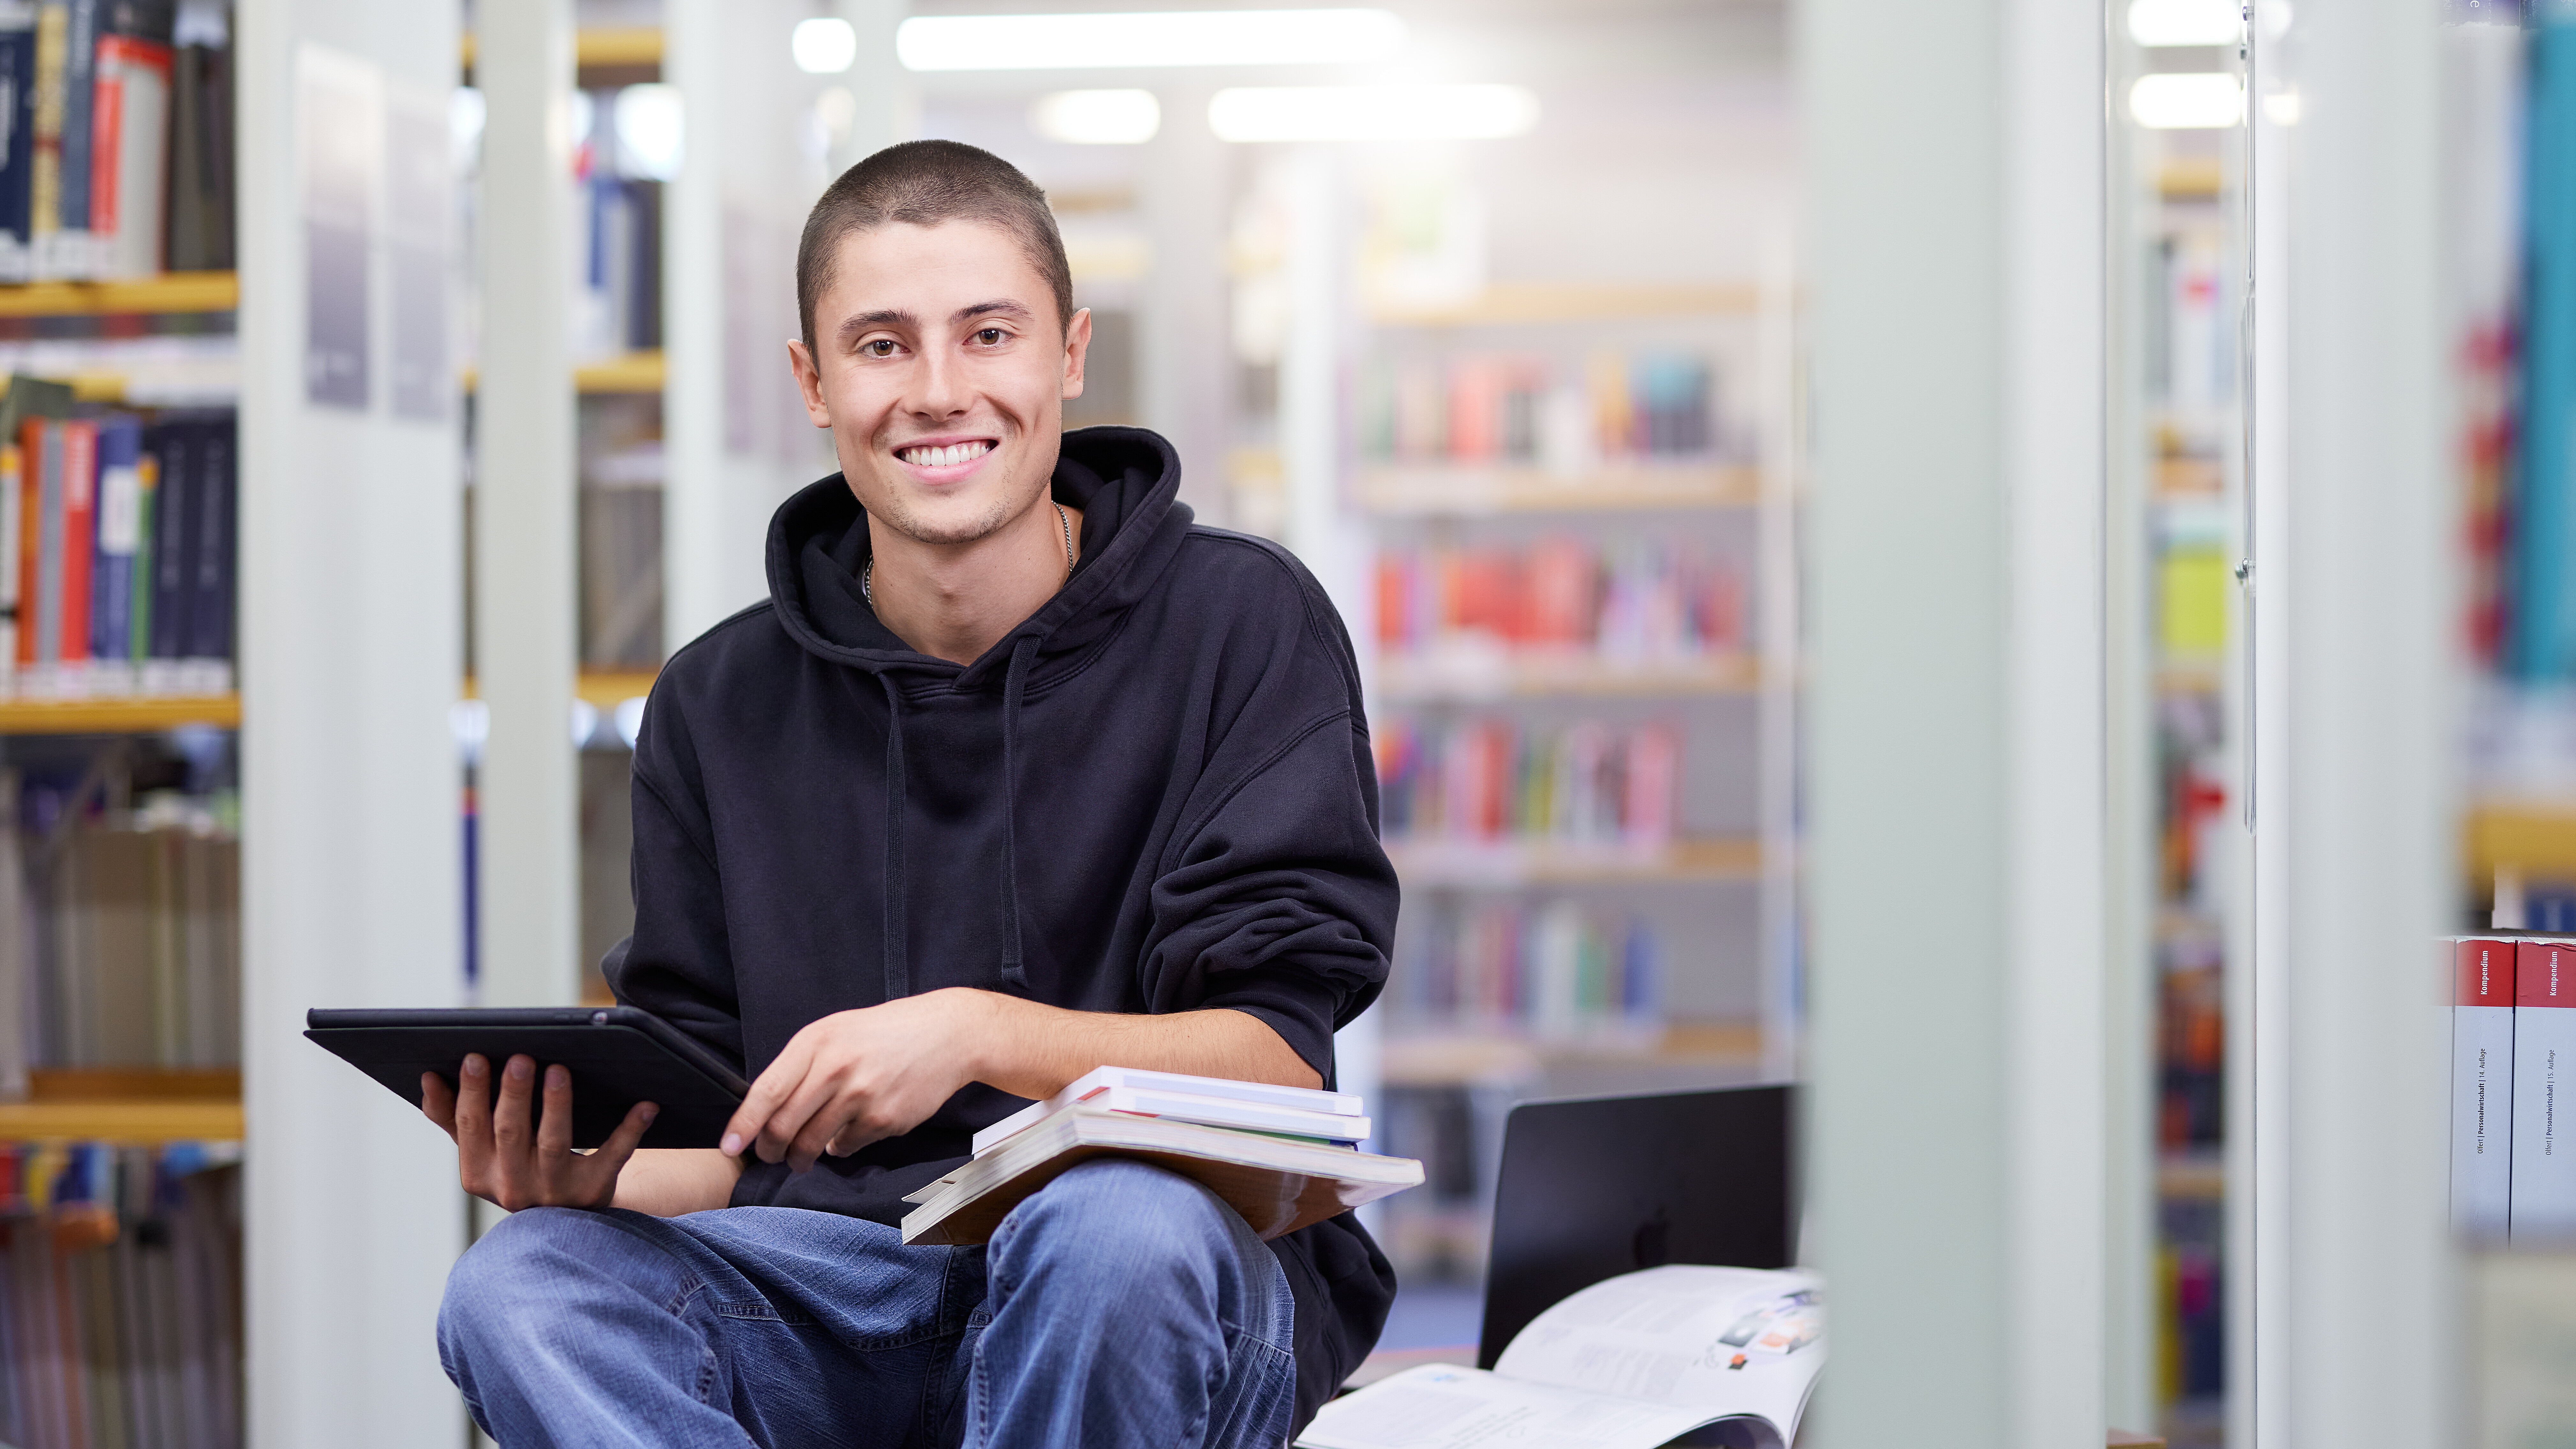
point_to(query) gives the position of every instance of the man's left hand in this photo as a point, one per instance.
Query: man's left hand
(857, 1077)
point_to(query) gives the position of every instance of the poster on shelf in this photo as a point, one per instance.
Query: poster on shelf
(340, 140)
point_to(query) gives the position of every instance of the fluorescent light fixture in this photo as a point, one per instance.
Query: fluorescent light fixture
(1372, 113)
(650, 133)
(1154, 38)
(1097, 118)
(824, 45)
(2187, 100)
(2159, 23)
(2281, 108)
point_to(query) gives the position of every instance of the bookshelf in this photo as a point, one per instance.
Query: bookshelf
(1511, 304)
(598, 47)
(1431, 675)
(630, 373)
(144, 1122)
(1436, 865)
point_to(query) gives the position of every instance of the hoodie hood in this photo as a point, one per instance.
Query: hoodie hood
(1126, 481)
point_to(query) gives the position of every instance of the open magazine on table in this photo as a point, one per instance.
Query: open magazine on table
(1628, 1363)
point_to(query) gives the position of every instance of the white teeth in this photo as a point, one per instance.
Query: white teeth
(941, 457)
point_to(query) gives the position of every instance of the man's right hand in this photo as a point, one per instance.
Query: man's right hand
(516, 1157)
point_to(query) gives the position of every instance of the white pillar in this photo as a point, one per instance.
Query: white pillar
(525, 639)
(1955, 1133)
(2356, 817)
(349, 573)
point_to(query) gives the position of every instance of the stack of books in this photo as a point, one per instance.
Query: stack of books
(2513, 1045)
(1284, 1157)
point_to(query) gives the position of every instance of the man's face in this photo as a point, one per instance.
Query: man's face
(941, 371)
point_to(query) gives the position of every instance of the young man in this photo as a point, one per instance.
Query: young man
(1016, 773)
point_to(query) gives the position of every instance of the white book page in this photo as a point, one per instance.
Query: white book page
(1719, 1341)
(1438, 1406)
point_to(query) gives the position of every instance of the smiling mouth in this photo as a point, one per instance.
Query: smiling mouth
(944, 456)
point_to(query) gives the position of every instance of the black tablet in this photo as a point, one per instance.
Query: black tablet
(619, 1056)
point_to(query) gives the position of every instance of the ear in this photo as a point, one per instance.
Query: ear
(1077, 349)
(809, 381)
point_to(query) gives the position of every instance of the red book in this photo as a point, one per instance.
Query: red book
(2544, 1072)
(80, 535)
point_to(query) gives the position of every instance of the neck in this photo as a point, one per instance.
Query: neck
(955, 601)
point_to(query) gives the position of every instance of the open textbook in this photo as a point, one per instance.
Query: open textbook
(1630, 1363)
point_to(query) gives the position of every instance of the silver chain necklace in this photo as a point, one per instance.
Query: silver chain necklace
(868, 575)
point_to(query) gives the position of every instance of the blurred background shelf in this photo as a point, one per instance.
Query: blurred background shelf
(1467, 1058)
(127, 715)
(2535, 838)
(1528, 675)
(142, 296)
(1512, 303)
(1463, 490)
(600, 47)
(634, 372)
(1497, 864)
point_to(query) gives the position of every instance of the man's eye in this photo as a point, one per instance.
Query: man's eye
(878, 347)
(990, 336)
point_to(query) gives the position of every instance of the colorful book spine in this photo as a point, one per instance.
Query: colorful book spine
(210, 602)
(147, 482)
(2544, 1060)
(45, 467)
(119, 539)
(22, 559)
(173, 532)
(79, 545)
(2482, 1087)
(130, 162)
(2541, 645)
(17, 134)
(45, 127)
(72, 253)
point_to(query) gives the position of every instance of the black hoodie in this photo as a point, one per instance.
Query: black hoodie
(1153, 795)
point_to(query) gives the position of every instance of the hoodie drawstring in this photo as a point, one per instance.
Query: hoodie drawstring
(1014, 973)
(898, 958)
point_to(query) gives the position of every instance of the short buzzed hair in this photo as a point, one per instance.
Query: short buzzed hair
(923, 183)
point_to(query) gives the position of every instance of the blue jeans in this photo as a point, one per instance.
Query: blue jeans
(1121, 1305)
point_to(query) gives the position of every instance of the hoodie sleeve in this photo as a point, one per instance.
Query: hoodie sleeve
(679, 963)
(1279, 901)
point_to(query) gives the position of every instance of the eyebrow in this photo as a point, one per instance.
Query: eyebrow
(897, 317)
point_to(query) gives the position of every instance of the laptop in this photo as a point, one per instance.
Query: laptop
(1594, 1187)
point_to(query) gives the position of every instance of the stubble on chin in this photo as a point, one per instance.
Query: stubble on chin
(899, 515)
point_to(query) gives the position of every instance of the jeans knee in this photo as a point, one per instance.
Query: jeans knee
(506, 1270)
(1123, 1225)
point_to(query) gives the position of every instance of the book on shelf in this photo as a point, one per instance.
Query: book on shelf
(130, 124)
(1589, 783)
(1529, 410)
(201, 158)
(2482, 1086)
(1631, 1362)
(17, 152)
(120, 1295)
(2544, 1127)
(1635, 601)
(66, 250)
(1554, 970)
(1210, 1101)
(124, 562)
(1278, 1183)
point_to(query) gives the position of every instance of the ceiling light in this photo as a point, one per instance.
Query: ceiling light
(824, 45)
(2182, 101)
(1372, 113)
(2157, 23)
(1156, 38)
(1097, 118)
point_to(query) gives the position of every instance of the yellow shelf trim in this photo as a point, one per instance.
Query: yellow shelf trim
(600, 46)
(135, 715)
(633, 373)
(140, 1122)
(170, 292)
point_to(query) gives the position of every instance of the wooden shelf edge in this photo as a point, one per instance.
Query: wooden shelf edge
(139, 1122)
(136, 714)
(635, 372)
(1435, 491)
(1429, 1059)
(1406, 678)
(140, 296)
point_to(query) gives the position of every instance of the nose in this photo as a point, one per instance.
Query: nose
(939, 387)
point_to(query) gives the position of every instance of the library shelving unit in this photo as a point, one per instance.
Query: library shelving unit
(1693, 919)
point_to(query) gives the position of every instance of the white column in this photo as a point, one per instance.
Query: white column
(734, 442)
(1955, 1133)
(525, 639)
(350, 574)
(2358, 693)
